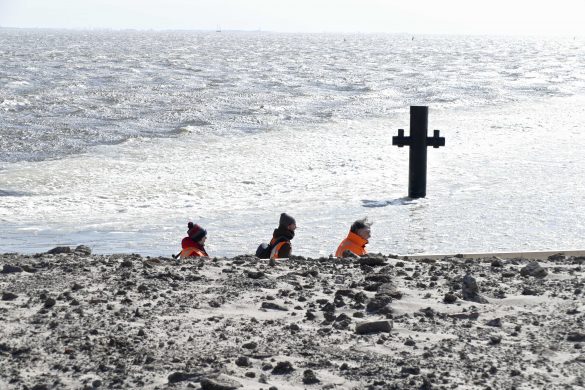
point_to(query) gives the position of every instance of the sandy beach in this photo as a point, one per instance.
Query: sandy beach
(80, 320)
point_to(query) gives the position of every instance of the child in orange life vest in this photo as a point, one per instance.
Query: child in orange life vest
(194, 244)
(356, 240)
(283, 233)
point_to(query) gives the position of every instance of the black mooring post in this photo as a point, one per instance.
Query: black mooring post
(418, 142)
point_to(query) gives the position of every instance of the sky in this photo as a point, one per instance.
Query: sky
(524, 17)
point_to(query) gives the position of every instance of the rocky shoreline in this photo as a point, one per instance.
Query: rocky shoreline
(72, 319)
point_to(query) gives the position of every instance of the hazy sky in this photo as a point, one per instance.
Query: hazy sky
(422, 16)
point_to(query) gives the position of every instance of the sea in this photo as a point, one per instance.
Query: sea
(117, 139)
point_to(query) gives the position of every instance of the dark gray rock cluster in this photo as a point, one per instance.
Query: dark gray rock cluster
(72, 319)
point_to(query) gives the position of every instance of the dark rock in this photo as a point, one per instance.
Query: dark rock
(83, 250)
(220, 383)
(496, 322)
(10, 269)
(273, 306)
(250, 345)
(282, 368)
(310, 315)
(495, 340)
(557, 257)
(450, 298)
(309, 377)
(390, 290)
(214, 303)
(255, 274)
(497, 263)
(180, 376)
(8, 296)
(328, 307)
(470, 290)
(29, 269)
(243, 361)
(576, 337)
(378, 278)
(378, 303)
(59, 249)
(96, 383)
(530, 291)
(126, 263)
(76, 287)
(345, 293)
(250, 374)
(410, 370)
(360, 297)
(49, 303)
(373, 327)
(410, 343)
(534, 269)
(372, 261)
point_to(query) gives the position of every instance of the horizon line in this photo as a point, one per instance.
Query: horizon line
(260, 30)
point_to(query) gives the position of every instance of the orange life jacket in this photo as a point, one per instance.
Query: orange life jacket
(192, 252)
(275, 251)
(352, 243)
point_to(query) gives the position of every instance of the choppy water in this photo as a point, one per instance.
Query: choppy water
(116, 139)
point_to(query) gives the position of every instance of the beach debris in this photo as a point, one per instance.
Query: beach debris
(534, 269)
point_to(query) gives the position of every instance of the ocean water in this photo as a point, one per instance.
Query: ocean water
(116, 139)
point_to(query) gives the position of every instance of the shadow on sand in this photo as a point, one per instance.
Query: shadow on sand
(383, 203)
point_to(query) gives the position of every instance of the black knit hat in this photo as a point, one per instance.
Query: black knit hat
(196, 232)
(286, 220)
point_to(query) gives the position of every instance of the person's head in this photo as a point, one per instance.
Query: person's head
(287, 221)
(197, 233)
(361, 227)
